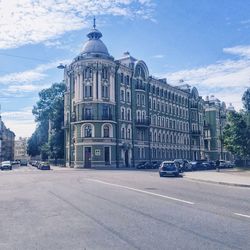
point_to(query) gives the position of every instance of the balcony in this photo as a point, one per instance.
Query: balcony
(194, 106)
(140, 86)
(143, 123)
(87, 117)
(108, 117)
(196, 132)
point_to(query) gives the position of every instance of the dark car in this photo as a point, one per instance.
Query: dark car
(184, 165)
(196, 165)
(212, 165)
(168, 168)
(44, 166)
(141, 165)
(155, 164)
(6, 165)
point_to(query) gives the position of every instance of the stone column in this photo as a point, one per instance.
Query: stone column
(99, 85)
(94, 85)
(112, 87)
(81, 86)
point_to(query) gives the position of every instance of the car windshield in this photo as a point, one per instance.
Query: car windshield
(5, 162)
(169, 166)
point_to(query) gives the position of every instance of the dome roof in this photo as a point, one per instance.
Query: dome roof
(95, 46)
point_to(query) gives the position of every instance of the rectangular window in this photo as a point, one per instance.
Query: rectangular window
(138, 100)
(122, 96)
(88, 91)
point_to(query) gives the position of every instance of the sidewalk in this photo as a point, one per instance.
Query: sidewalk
(224, 177)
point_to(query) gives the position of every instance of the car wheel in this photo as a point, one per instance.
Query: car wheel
(161, 175)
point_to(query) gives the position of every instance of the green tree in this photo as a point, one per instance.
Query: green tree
(246, 100)
(49, 110)
(236, 134)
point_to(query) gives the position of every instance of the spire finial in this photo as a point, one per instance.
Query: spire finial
(94, 23)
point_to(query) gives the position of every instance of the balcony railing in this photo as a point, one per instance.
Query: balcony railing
(194, 106)
(87, 117)
(142, 122)
(139, 86)
(196, 132)
(107, 117)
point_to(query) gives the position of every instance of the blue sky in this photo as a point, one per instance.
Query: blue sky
(205, 43)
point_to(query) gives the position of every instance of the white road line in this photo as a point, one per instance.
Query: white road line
(142, 191)
(243, 215)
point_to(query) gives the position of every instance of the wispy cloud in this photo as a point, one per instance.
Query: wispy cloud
(159, 56)
(26, 88)
(31, 75)
(29, 22)
(226, 79)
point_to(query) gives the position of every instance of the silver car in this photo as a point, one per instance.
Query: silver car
(168, 168)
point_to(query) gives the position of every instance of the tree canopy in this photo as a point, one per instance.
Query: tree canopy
(246, 100)
(236, 134)
(48, 138)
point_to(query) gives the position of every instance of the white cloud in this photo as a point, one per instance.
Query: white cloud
(28, 76)
(20, 122)
(239, 50)
(29, 22)
(159, 56)
(26, 88)
(226, 79)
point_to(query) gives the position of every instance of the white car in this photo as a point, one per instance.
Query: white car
(6, 165)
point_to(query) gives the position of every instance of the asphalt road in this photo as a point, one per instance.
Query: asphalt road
(116, 209)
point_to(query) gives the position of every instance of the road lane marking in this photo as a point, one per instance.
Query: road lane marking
(143, 191)
(243, 215)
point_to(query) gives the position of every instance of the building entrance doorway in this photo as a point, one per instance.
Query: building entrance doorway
(87, 157)
(107, 155)
(126, 159)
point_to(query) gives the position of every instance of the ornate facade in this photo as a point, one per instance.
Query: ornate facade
(117, 115)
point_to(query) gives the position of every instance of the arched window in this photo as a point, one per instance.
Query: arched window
(87, 131)
(88, 90)
(106, 132)
(104, 73)
(123, 133)
(128, 115)
(105, 90)
(128, 133)
(88, 73)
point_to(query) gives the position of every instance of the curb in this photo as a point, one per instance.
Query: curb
(219, 182)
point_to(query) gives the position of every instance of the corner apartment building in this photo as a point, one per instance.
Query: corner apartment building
(117, 114)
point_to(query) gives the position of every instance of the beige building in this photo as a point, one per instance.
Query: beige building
(21, 149)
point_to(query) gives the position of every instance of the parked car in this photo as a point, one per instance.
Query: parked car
(168, 168)
(184, 165)
(14, 163)
(44, 166)
(212, 164)
(23, 162)
(141, 165)
(196, 165)
(223, 164)
(6, 165)
(35, 164)
(155, 164)
(230, 164)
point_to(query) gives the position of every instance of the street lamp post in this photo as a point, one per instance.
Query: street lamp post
(64, 67)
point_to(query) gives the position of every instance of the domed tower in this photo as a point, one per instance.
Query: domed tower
(90, 105)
